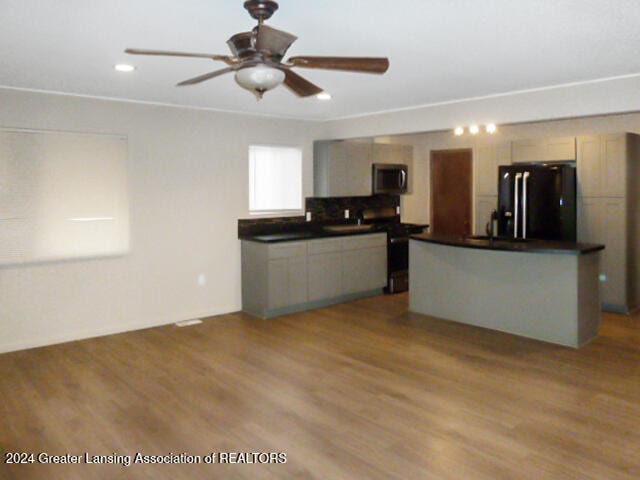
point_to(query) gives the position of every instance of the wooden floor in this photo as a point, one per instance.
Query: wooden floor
(362, 390)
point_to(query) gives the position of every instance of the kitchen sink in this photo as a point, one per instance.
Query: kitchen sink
(346, 228)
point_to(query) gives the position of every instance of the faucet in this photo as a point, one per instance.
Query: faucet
(490, 228)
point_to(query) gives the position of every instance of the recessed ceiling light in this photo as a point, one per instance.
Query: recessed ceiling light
(491, 128)
(458, 131)
(324, 96)
(474, 129)
(123, 67)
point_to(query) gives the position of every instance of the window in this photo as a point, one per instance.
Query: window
(275, 179)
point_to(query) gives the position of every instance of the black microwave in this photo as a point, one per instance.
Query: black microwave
(390, 178)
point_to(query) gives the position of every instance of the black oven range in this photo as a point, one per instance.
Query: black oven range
(387, 219)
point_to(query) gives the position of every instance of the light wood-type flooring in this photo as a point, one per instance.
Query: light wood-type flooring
(362, 390)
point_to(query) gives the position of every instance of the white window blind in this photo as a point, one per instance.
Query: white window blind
(275, 179)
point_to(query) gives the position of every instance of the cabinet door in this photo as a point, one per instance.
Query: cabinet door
(613, 164)
(484, 205)
(383, 153)
(560, 148)
(528, 150)
(287, 282)
(349, 172)
(278, 283)
(325, 276)
(544, 149)
(590, 219)
(297, 278)
(486, 159)
(364, 270)
(589, 166)
(614, 290)
(392, 153)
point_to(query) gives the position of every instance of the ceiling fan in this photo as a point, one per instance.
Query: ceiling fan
(257, 58)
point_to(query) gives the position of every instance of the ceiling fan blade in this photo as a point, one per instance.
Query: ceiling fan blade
(204, 77)
(241, 44)
(274, 41)
(137, 51)
(351, 64)
(299, 85)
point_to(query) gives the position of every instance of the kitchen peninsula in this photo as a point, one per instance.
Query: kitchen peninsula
(544, 290)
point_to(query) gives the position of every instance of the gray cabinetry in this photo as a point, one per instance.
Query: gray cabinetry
(342, 168)
(293, 276)
(487, 159)
(274, 276)
(325, 268)
(548, 149)
(364, 263)
(609, 212)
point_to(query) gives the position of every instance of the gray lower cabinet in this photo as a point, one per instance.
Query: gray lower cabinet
(325, 276)
(364, 264)
(293, 276)
(287, 282)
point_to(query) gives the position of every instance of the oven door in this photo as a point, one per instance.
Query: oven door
(398, 264)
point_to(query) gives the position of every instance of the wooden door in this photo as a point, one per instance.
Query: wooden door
(451, 192)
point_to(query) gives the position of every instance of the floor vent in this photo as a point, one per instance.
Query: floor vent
(188, 323)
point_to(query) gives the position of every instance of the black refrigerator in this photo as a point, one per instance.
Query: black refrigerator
(537, 201)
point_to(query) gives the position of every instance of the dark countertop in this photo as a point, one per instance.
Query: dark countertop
(292, 236)
(315, 231)
(526, 246)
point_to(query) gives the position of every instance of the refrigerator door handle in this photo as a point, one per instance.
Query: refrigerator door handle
(516, 203)
(525, 178)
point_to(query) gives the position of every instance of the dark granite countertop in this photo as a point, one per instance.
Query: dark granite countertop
(310, 234)
(526, 246)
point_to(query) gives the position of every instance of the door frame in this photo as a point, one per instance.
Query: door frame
(471, 181)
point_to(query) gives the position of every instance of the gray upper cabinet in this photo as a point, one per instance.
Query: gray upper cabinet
(549, 149)
(487, 158)
(342, 168)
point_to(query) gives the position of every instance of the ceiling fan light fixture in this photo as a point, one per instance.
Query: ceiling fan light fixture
(259, 78)
(324, 96)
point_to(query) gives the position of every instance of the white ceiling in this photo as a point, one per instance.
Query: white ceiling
(439, 50)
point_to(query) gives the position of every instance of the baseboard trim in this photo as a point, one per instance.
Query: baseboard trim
(301, 307)
(102, 332)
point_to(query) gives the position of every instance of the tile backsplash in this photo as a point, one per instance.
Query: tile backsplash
(323, 210)
(332, 208)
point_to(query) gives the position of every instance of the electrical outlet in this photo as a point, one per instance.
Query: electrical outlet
(346, 213)
(308, 216)
(398, 210)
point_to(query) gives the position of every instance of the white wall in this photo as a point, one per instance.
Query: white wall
(595, 98)
(188, 187)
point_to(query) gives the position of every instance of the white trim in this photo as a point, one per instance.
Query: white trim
(78, 335)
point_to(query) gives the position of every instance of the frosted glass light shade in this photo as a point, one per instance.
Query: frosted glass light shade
(259, 78)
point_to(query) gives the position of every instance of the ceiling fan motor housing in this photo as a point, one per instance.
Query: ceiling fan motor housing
(261, 9)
